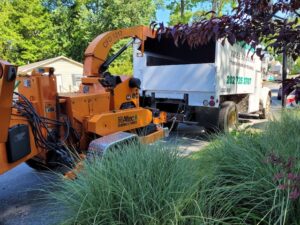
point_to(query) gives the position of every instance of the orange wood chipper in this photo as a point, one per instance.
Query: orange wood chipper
(47, 129)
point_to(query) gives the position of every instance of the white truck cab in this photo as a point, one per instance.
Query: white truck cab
(209, 85)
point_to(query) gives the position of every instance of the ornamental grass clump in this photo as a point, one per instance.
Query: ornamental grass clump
(136, 185)
(254, 178)
(243, 178)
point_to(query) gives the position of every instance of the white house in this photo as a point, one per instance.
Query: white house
(68, 72)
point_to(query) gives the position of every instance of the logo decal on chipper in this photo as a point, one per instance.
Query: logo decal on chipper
(127, 120)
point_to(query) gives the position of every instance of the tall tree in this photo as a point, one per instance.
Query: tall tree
(37, 29)
(216, 7)
(183, 11)
(115, 14)
(9, 36)
(77, 22)
(71, 21)
(27, 31)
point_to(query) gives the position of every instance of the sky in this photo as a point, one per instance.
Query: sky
(163, 15)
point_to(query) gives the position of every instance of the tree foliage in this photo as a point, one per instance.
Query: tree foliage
(115, 14)
(38, 29)
(181, 10)
(185, 11)
(218, 5)
(27, 34)
(252, 22)
(296, 67)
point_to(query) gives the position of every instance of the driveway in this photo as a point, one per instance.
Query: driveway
(21, 201)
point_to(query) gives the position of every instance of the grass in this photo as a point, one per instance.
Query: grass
(251, 176)
(244, 178)
(139, 185)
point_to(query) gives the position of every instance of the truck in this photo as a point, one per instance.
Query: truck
(208, 85)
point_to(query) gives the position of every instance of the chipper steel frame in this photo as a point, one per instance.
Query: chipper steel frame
(49, 130)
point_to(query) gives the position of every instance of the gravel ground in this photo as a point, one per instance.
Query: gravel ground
(21, 202)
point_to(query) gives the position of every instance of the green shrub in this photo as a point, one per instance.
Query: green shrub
(139, 185)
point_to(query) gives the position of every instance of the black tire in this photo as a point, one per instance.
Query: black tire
(279, 93)
(228, 116)
(37, 164)
(34, 164)
(169, 125)
(54, 166)
(278, 97)
(265, 114)
(211, 130)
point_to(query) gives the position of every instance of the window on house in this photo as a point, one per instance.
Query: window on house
(76, 79)
(59, 82)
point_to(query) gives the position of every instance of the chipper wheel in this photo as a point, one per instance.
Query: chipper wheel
(35, 164)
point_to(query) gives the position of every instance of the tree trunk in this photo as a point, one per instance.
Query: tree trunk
(182, 5)
(214, 7)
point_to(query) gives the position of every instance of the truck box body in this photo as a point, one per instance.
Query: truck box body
(203, 73)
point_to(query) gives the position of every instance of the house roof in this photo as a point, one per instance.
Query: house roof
(31, 66)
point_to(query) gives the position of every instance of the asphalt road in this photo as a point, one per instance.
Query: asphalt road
(22, 202)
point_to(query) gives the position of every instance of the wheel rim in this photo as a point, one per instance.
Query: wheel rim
(267, 109)
(268, 106)
(232, 120)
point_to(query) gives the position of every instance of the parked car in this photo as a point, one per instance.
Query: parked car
(292, 100)
(289, 86)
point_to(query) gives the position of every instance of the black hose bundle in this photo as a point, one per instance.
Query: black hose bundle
(49, 140)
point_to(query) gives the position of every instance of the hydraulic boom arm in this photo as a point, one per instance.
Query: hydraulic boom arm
(110, 60)
(96, 53)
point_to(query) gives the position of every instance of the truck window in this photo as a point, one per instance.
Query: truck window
(165, 52)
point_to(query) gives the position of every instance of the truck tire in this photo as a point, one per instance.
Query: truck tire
(228, 116)
(265, 113)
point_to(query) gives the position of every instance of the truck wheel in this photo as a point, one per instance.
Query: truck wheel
(265, 114)
(228, 116)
